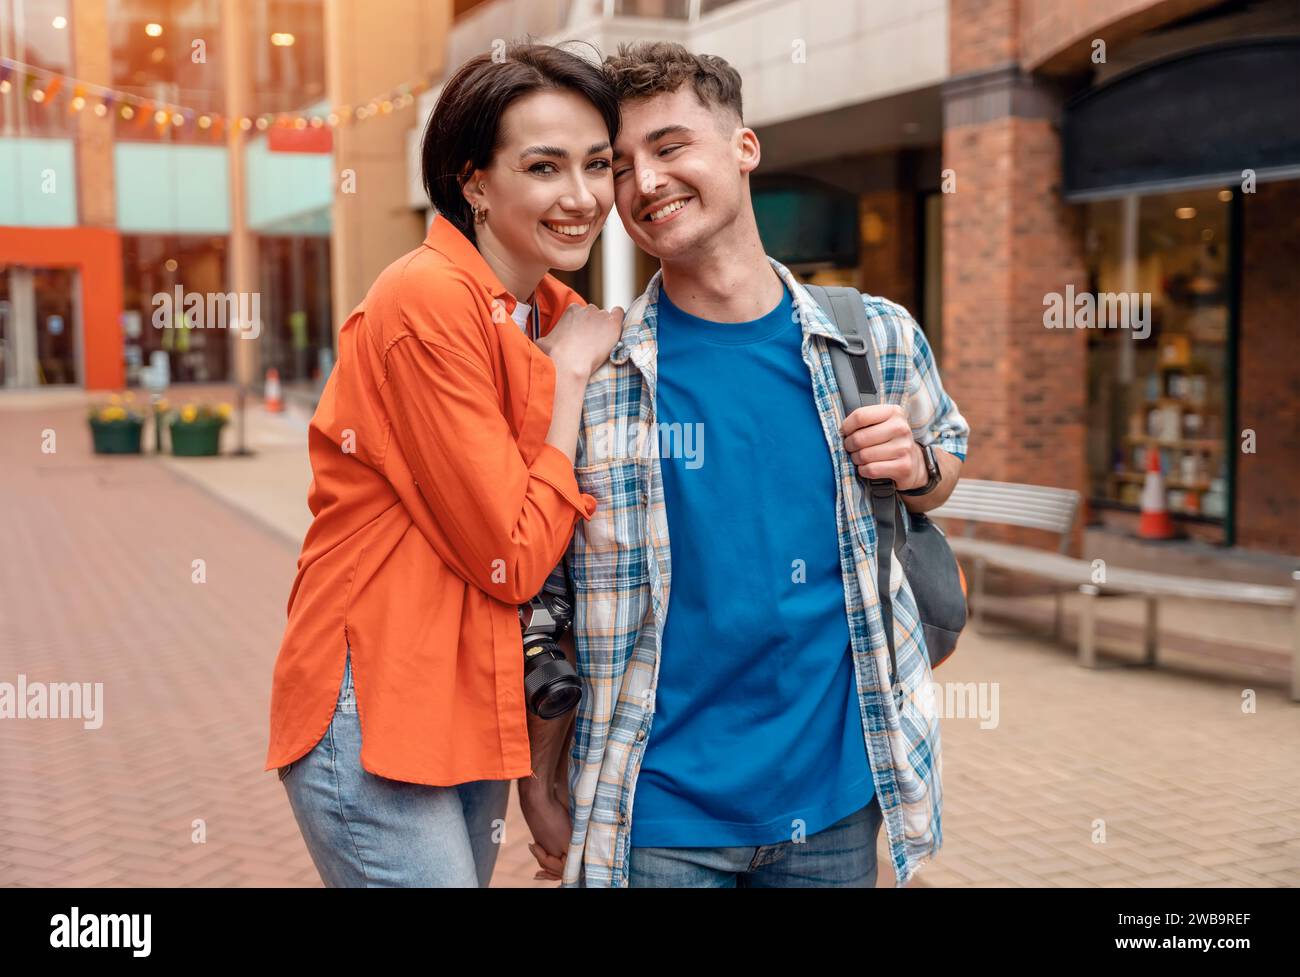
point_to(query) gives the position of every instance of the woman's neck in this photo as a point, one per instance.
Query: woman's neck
(519, 279)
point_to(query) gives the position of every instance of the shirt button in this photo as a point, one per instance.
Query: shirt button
(622, 819)
(640, 735)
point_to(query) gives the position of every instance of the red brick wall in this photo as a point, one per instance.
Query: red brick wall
(1058, 34)
(981, 34)
(1268, 386)
(1008, 241)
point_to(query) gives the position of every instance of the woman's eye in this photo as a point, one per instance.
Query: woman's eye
(539, 168)
(602, 164)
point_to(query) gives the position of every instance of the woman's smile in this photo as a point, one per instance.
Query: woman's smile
(570, 232)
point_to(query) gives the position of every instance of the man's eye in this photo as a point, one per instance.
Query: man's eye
(669, 149)
(538, 168)
(621, 172)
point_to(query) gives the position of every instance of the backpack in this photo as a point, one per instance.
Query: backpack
(932, 572)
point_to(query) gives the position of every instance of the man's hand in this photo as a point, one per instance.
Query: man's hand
(546, 811)
(544, 795)
(880, 442)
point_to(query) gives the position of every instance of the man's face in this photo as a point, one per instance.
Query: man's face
(679, 172)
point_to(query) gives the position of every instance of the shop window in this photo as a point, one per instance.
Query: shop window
(39, 35)
(154, 267)
(167, 51)
(1159, 381)
(297, 320)
(287, 46)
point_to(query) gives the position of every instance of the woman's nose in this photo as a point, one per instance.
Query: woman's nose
(579, 199)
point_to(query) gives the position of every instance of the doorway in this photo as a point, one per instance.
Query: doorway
(40, 326)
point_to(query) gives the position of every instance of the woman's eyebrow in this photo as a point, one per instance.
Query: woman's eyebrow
(561, 153)
(555, 151)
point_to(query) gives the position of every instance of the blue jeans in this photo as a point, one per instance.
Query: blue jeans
(365, 830)
(841, 856)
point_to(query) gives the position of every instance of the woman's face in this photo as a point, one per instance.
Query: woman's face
(549, 186)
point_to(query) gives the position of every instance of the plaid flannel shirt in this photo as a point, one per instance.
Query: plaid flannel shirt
(621, 572)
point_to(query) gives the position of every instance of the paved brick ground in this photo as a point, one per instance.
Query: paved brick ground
(95, 586)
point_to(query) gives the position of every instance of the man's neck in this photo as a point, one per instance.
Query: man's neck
(727, 282)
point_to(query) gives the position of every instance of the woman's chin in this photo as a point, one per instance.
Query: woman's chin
(569, 259)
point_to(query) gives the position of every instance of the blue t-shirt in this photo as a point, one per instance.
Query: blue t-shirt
(756, 731)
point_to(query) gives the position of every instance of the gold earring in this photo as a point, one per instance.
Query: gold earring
(480, 214)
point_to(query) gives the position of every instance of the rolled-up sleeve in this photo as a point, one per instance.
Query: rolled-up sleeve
(502, 524)
(933, 416)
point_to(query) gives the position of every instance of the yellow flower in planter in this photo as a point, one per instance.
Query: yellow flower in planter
(188, 413)
(223, 411)
(162, 405)
(112, 413)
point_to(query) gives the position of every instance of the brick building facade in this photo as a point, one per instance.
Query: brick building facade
(1012, 236)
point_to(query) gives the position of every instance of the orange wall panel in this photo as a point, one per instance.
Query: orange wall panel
(97, 253)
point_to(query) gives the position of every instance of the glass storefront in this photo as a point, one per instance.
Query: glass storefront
(1162, 384)
(40, 328)
(39, 35)
(287, 44)
(297, 322)
(153, 268)
(167, 51)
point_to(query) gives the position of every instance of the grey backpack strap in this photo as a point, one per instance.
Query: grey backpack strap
(854, 364)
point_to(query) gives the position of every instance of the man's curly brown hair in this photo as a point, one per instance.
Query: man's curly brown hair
(649, 68)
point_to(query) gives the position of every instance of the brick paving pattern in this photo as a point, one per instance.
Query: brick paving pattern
(95, 586)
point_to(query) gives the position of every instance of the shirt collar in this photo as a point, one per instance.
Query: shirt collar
(448, 241)
(640, 321)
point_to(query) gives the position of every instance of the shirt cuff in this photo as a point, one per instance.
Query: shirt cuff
(553, 467)
(954, 444)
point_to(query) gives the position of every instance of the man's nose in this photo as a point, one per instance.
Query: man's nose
(647, 180)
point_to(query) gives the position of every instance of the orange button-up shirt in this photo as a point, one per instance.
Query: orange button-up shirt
(438, 507)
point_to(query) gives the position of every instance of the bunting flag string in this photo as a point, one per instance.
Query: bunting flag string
(42, 87)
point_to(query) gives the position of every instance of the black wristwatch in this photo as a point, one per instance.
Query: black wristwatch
(932, 470)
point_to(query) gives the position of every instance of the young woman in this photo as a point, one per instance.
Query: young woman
(443, 492)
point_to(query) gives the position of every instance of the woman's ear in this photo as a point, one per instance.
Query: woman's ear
(472, 183)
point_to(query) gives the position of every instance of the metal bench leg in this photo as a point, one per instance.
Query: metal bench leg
(1058, 618)
(1088, 625)
(1150, 631)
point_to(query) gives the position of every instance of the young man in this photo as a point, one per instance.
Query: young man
(752, 713)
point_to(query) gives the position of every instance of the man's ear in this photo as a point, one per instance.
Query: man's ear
(747, 149)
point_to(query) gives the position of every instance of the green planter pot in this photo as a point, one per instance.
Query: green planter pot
(197, 438)
(116, 437)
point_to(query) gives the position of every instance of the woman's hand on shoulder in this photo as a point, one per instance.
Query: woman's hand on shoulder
(580, 342)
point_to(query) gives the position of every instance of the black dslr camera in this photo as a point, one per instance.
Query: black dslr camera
(551, 685)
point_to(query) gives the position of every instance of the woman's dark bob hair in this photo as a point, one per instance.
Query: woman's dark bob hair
(464, 129)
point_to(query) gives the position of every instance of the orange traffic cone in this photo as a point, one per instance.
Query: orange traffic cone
(271, 392)
(1155, 522)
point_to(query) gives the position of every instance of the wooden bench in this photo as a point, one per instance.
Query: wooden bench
(1055, 510)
